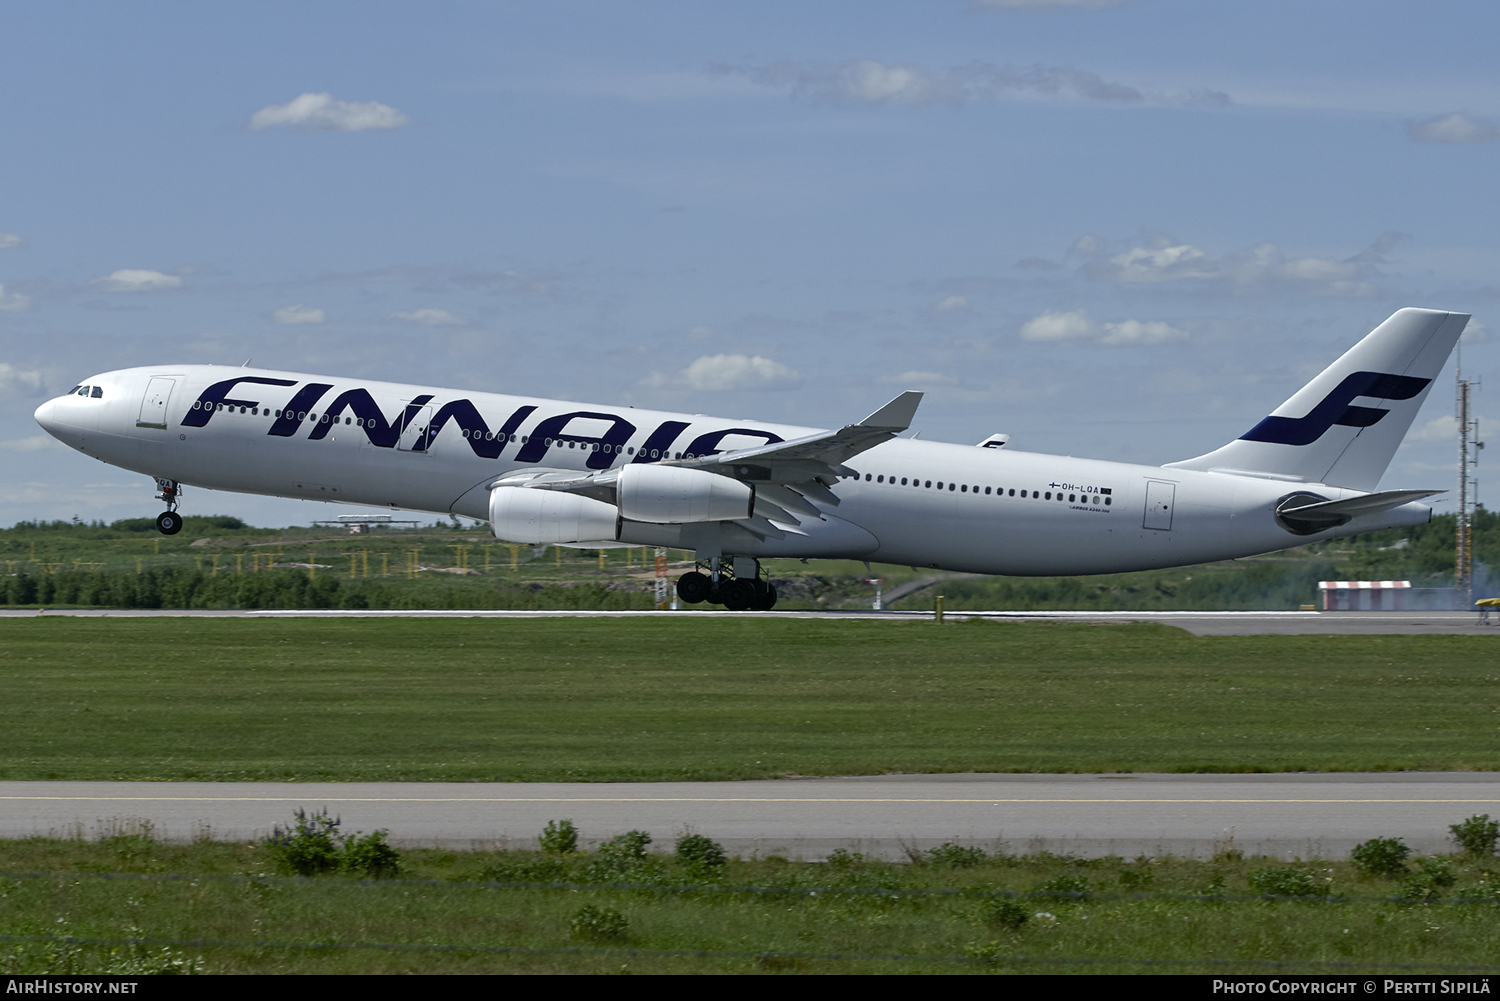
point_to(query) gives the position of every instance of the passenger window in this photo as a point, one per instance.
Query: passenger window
(867, 477)
(929, 485)
(1071, 498)
(1106, 502)
(966, 488)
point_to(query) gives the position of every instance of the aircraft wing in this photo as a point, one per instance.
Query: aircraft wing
(786, 475)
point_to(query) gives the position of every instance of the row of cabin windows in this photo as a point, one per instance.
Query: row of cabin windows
(487, 435)
(997, 491)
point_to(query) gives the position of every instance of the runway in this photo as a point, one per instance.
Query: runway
(1284, 815)
(1198, 623)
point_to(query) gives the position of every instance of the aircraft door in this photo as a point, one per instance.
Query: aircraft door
(1159, 502)
(414, 434)
(154, 404)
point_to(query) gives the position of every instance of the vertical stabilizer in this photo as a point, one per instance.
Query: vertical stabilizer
(1343, 427)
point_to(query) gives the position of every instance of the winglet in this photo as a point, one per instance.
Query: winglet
(896, 414)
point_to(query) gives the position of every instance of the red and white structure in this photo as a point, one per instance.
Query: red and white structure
(1363, 595)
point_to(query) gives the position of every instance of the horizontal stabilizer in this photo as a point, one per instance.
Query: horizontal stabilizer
(1352, 506)
(1303, 514)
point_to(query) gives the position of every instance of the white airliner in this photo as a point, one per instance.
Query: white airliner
(735, 492)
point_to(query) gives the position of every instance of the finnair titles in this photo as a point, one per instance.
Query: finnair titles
(736, 492)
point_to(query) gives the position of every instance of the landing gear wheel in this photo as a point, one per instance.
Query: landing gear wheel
(739, 595)
(169, 523)
(693, 587)
(765, 597)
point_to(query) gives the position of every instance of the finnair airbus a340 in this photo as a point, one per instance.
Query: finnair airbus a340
(734, 492)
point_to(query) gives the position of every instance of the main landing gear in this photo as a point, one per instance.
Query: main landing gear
(738, 589)
(169, 522)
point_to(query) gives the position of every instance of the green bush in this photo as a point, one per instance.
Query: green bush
(1004, 912)
(1431, 877)
(559, 837)
(699, 850)
(313, 845)
(624, 858)
(599, 924)
(1477, 835)
(308, 847)
(1381, 856)
(1285, 883)
(956, 856)
(369, 856)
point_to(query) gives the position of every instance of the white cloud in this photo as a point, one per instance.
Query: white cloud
(868, 81)
(430, 318)
(8, 240)
(952, 304)
(1454, 128)
(1077, 326)
(718, 372)
(35, 443)
(325, 113)
(1162, 259)
(921, 379)
(10, 377)
(12, 303)
(136, 280)
(1476, 332)
(1058, 327)
(1438, 429)
(298, 314)
(1042, 4)
(1136, 332)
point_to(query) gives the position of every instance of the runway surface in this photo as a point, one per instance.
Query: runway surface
(1286, 815)
(1198, 623)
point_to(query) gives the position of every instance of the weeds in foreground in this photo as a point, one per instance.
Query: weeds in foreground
(313, 846)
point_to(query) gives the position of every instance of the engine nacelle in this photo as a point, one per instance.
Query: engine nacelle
(522, 514)
(671, 495)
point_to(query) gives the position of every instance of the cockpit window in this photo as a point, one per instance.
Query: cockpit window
(98, 393)
(83, 390)
(73, 390)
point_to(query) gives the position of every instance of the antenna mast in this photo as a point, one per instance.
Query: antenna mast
(1468, 488)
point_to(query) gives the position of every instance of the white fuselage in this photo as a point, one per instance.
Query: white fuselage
(987, 510)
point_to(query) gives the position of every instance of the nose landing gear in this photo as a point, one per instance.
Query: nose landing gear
(169, 522)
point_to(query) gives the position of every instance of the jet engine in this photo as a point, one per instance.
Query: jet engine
(522, 514)
(671, 495)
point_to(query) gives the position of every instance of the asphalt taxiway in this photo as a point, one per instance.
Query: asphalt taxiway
(1284, 815)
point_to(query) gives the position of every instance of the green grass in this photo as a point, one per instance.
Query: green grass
(661, 699)
(1146, 909)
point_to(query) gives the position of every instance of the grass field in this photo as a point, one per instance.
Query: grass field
(221, 908)
(653, 699)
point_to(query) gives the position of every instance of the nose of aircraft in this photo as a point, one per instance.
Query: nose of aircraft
(45, 416)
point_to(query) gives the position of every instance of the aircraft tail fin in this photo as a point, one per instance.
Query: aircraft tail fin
(1321, 435)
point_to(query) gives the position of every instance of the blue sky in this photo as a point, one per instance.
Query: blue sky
(1125, 230)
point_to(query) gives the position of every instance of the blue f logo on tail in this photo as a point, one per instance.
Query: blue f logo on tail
(1337, 408)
